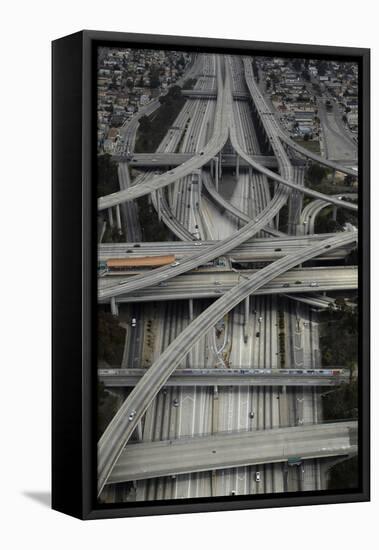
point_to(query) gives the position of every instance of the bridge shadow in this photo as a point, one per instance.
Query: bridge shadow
(41, 497)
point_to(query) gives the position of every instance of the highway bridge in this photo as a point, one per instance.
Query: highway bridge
(255, 250)
(121, 428)
(213, 283)
(332, 376)
(232, 450)
(285, 253)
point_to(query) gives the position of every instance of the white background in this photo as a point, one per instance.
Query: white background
(27, 29)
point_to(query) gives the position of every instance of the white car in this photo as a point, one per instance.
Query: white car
(134, 322)
(174, 264)
(257, 476)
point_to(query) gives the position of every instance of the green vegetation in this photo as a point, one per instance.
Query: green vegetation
(341, 403)
(319, 178)
(107, 176)
(113, 235)
(110, 338)
(189, 84)
(107, 406)
(152, 228)
(312, 146)
(152, 129)
(344, 475)
(339, 335)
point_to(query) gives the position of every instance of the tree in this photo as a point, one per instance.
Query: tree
(316, 173)
(107, 176)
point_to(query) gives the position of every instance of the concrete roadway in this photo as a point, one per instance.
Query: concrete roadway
(221, 130)
(312, 210)
(275, 134)
(232, 450)
(228, 206)
(256, 250)
(228, 377)
(167, 159)
(215, 144)
(120, 429)
(213, 283)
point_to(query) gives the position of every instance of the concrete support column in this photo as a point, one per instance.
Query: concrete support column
(216, 163)
(200, 180)
(190, 304)
(220, 165)
(237, 166)
(114, 306)
(110, 217)
(118, 218)
(246, 318)
(334, 177)
(139, 430)
(158, 201)
(277, 221)
(334, 215)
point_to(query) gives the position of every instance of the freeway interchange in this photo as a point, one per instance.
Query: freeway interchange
(223, 221)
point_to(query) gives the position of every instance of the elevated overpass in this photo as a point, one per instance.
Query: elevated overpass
(332, 376)
(213, 283)
(233, 450)
(121, 427)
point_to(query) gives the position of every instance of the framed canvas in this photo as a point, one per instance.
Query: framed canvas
(210, 293)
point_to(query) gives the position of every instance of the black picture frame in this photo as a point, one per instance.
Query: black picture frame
(74, 275)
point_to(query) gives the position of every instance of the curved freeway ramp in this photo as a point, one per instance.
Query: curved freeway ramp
(286, 139)
(271, 129)
(215, 144)
(121, 427)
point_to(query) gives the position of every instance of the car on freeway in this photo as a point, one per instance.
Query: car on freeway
(198, 244)
(257, 476)
(313, 283)
(297, 282)
(137, 245)
(174, 264)
(251, 414)
(134, 322)
(257, 334)
(286, 285)
(175, 403)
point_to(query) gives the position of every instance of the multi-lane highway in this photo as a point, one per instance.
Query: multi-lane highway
(332, 376)
(213, 283)
(229, 223)
(124, 422)
(233, 450)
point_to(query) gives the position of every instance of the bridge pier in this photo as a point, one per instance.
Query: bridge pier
(110, 217)
(158, 201)
(139, 430)
(246, 318)
(237, 167)
(220, 165)
(190, 304)
(114, 306)
(334, 215)
(215, 171)
(118, 218)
